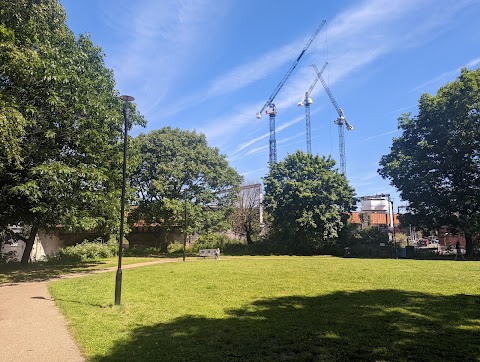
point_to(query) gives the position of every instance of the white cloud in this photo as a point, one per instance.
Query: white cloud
(445, 77)
(246, 74)
(254, 171)
(158, 40)
(361, 35)
(161, 35)
(379, 135)
(396, 111)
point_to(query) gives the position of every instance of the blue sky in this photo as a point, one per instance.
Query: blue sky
(210, 65)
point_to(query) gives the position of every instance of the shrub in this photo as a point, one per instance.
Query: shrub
(175, 247)
(401, 239)
(211, 241)
(8, 257)
(88, 250)
(373, 236)
(151, 251)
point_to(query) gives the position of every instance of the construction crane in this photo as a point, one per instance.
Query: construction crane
(306, 101)
(340, 121)
(272, 110)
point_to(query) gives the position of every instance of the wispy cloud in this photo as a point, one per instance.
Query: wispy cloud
(361, 36)
(158, 38)
(396, 111)
(254, 171)
(246, 74)
(365, 179)
(379, 135)
(162, 35)
(446, 76)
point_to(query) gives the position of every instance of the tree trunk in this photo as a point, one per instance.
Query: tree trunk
(249, 238)
(468, 244)
(29, 245)
(248, 232)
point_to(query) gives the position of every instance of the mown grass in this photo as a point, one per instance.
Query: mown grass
(279, 309)
(40, 271)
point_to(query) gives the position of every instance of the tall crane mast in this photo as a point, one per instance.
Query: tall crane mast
(306, 101)
(340, 121)
(272, 110)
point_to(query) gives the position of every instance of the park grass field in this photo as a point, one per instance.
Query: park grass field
(279, 309)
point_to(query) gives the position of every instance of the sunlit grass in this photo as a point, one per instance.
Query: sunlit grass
(282, 308)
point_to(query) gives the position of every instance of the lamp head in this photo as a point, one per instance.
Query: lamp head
(127, 98)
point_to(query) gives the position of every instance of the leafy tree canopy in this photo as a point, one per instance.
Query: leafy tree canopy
(308, 201)
(178, 169)
(61, 123)
(435, 163)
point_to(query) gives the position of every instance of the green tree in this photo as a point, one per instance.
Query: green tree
(435, 163)
(58, 96)
(180, 174)
(307, 200)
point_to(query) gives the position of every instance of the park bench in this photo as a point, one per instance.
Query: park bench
(209, 252)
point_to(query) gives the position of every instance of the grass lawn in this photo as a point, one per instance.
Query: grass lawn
(279, 309)
(15, 272)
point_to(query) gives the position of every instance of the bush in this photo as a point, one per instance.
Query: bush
(175, 247)
(372, 236)
(89, 250)
(8, 257)
(211, 241)
(142, 252)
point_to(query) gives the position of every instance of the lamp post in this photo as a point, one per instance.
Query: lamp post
(118, 279)
(185, 215)
(185, 231)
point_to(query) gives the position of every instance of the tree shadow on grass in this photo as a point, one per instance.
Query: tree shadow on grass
(379, 325)
(35, 272)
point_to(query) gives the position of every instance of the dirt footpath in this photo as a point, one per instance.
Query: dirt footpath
(31, 326)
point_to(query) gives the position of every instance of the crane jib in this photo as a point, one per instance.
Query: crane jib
(282, 82)
(301, 54)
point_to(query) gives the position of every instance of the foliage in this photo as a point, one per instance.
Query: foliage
(146, 252)
(373, 236)
(89, 250)
(7, 257)
(277, 309)
(175, 247)
(213, 241)
(246, 217)
(363, 242)
(401, 239)
(61, 124)
(180, 175)
(435, 163)
(308, 201)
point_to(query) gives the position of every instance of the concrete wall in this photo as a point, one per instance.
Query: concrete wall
(44, 245)
(47, 243)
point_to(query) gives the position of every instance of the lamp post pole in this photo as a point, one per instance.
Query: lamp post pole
(185, 231)
(118, 279)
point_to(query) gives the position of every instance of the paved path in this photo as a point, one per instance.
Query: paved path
(31, 326)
